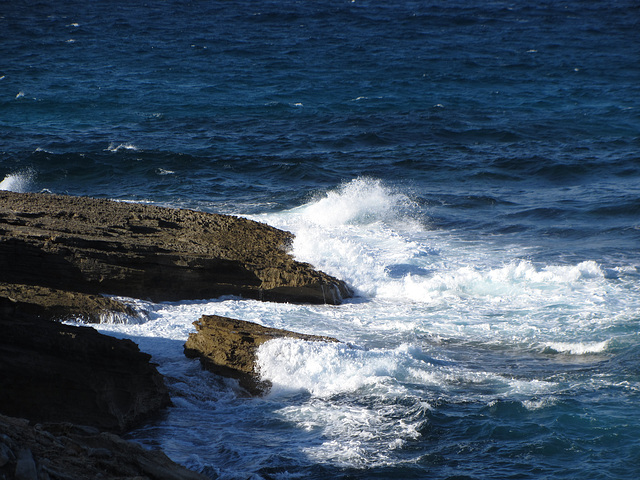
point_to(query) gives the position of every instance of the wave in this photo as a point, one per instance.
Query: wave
(361, 201)
(20, 182)
(122, 146)
(576, 348)
(379, 240)
(325, 369)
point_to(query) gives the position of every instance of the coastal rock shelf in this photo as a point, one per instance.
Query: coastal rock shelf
(228, 347)
(95, 246)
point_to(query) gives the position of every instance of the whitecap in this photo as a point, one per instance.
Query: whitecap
(122, 146)
(18, 182)
(576, 348)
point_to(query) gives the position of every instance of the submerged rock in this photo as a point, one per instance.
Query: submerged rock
(228, 347)
(95, 246)
(66, 451)
(52, 372)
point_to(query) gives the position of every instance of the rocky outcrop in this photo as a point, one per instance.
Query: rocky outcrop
(59, 255)
(19, 300)
(94, 246)
(69, 452)
(52, 372)
(228, 347)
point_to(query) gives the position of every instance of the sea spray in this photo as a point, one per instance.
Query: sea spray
(20, 182)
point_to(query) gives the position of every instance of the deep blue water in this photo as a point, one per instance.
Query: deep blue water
(508, 131)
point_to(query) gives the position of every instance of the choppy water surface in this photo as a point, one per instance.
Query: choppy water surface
(471, 170)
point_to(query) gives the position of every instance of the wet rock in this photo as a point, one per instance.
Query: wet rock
(93, 246)
(52, 372)
(228, 347)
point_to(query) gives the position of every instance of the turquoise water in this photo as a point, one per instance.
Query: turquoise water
(471, 170)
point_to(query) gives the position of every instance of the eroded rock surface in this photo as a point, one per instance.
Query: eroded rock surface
(95, 246)
(52, 372)
(228, 347)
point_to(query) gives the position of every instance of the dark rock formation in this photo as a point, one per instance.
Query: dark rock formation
(68, 452)
(18, 300)
(228, 347)
(95, 246)
(52, 372)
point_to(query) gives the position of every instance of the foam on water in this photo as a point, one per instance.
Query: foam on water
(434, 321)
(325, 369)
(121, 146)
(577, 348)
(373, 237)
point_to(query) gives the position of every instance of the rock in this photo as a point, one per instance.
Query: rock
(18, 300)
(26, 466)
(228, 347)
(63, 451)
(52, 372)
(6, 454)
(94, 246)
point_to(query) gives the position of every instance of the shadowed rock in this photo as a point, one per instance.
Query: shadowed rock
(19, 300)
(228, 347)
(95, 246)
(52, 372)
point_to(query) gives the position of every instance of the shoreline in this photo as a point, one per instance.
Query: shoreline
(58, 256)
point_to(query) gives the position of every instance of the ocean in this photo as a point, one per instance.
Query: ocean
(471, 169)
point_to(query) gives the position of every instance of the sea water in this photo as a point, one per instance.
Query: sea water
(471, 170)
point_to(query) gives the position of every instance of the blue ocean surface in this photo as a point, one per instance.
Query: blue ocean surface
(471, 169)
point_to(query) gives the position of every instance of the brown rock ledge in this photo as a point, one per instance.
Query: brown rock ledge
(228, 347)
(95, 246)
(68, 452)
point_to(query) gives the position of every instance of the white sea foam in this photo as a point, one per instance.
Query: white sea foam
(18, 182)
(367, 234)
(539, 403)
(122, 146)
(577, 348)
(357, 435)
(324, 369)
(362, 201)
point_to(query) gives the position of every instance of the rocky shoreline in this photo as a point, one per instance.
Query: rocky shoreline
(66, 391)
